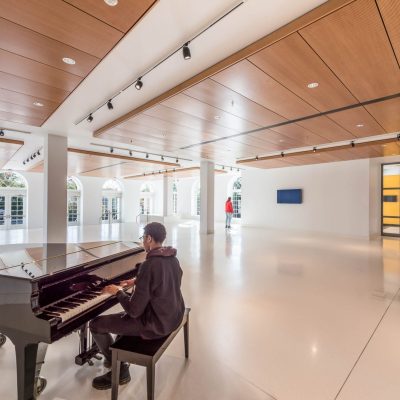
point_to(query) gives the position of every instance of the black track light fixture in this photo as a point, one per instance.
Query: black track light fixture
(256, 157)
(89, 118)
(38, 152)
(238, 170)
(27, 160)
(352, 143)
(34, 155)
(24, 162)
(186, 51)
(162, 158)
(231, 169)
(147, 155)
(130, 153)
(282, 154)
(177, 160)
(111, 150)
(31, 157)
(314, 149)
(223, 167)
(139, 83)
(398, 136)
(1, 132)
(110, 105)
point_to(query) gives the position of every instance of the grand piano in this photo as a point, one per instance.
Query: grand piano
(49, 291)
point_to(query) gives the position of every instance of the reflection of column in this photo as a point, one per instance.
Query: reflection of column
(206, 197)
(55, 189)
(166, 181)
(55, 255)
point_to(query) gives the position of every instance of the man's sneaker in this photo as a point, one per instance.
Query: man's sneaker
(103, 382)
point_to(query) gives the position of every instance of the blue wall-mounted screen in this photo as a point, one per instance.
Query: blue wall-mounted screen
(290, 196)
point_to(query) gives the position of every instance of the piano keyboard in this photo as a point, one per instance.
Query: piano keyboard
(72, 306)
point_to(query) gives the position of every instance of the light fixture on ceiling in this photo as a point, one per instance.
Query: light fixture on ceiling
(111, 150)
(38, 104)
(111, 3)
(238, 170)
(186, 51)
(147, 155)
(256, 157)
(223, 167)
(314, 149)
(231, 169)
(398, 136)
(177, 160)
(110, 105)
(24, 162)
(139, 83)
(130, 153)
(69, 61)
(38, 152)
(282, 154)
(162, 158)
(359, 125)
(352, 143)
(313, 85)
(1, 132)
(89, 118)
(217, 117)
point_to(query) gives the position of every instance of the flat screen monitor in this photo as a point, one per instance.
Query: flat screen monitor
(290, 196)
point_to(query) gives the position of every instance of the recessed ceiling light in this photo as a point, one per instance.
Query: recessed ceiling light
(69, 61)
(217, 117)
(313, 85)
(281, 140)
(111, 3)
(38, 104)
(359, 125)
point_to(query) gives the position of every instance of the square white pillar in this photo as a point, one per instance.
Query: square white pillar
(166, 194)
(207, 197)
(55, 189)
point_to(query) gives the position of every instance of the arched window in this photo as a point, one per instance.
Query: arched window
(237, 198)
(196, 198)
(12, 200)
(146, 198)
(175, 197)
(73, 201)
(111, 201)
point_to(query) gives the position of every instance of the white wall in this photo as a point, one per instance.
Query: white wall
(35, 199)
(335, 198)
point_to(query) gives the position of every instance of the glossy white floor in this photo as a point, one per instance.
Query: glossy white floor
(274, 316)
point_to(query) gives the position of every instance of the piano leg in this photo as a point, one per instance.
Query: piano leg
(30, 358)
(3, 339)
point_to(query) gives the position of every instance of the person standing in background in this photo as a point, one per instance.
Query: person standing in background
(228, 212)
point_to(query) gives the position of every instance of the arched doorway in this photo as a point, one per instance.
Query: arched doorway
(13, 200)
(111, 201)
(146, 199)
(74, 201)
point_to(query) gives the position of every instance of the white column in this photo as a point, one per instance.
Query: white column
(207, 197)
(166, 199)
(55, 189)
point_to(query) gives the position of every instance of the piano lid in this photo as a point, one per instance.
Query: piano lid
(33, 261)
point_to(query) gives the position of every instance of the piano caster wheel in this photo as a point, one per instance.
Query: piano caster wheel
(40, 385)
(2, 339)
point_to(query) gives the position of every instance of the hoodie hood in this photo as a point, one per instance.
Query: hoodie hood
(162, 252)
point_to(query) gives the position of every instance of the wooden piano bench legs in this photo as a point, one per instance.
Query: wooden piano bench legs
(135, 350)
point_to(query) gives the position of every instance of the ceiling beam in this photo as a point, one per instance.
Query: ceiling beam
(121, 157)
(293, 26)
(12, 141)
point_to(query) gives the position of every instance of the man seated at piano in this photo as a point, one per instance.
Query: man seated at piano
(153, 310)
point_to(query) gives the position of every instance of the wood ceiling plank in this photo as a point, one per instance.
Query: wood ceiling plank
(169, 115)
(198, 109)
(63, 22)
(21, 119)
(387, 114)
(353, 43)
(349, 119)
(390, 11)
(38, 72)
(223, 98)
(278, 138)
(122, 16)
(298, 133)
(25, 42)
(260, 145)
(23, 110)
(326, 128)
(21, 99)
(294, 64)
(31, 88)
(249, 81)
(268, 164)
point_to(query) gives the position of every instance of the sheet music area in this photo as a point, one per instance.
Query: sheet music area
(48, 291)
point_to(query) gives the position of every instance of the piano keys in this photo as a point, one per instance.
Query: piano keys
(48, 291)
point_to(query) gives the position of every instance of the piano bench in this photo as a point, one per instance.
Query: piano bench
(135, 350)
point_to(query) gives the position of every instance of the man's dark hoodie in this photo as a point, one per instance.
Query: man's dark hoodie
(157, 302)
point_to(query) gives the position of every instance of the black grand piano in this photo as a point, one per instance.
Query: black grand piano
(49, 291)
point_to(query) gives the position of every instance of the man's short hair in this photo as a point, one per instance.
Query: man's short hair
(156, 231)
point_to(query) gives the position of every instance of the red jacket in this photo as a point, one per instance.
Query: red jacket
(228, 207)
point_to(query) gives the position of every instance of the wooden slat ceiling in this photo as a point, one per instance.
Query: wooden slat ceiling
(261, 103)
(104, 166)
(35, 35)
(7, 150)
(189, 172)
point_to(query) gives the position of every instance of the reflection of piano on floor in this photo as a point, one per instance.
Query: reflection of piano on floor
(52, 291)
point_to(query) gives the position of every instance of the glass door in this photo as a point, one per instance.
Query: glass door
(12, 211)
(391, 199)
